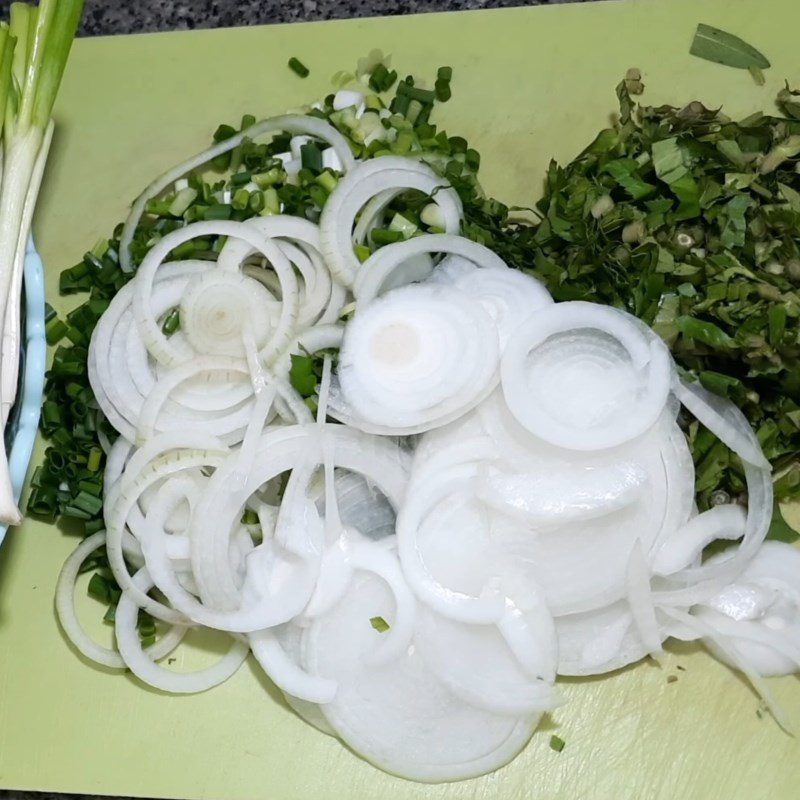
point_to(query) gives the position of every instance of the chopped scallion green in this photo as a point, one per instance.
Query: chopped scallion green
(299, 69)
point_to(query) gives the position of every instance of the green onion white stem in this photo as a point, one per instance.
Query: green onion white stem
(33, 54)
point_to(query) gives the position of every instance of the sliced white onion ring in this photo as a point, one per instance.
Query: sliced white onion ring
(416, 356)
(584, 376)
(364, 182)
(377, 270)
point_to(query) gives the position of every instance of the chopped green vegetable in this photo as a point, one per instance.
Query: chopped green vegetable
(249, 517)
(172, 322)
(557, 743)
(302, 375)
(379, 623)
(298, 67)
(701, 244)
(780, 530)
(758, 75)
(311, 157)
(722, 47)
(382, 79)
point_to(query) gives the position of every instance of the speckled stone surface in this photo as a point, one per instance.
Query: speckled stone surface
(103, 17)
(108, 17)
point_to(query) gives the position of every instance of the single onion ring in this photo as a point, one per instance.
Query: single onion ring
(584, 376)
(364, 182)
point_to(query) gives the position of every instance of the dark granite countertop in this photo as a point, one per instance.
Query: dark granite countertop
(106, 17)
(131, 16)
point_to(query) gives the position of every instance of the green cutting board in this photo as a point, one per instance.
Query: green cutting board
(529, 84)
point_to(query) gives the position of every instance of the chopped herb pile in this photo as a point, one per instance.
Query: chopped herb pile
(691, 221)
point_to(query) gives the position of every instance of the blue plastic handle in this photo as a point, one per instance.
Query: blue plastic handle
(32, 390)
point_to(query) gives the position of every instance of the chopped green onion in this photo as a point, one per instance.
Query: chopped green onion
(379, 623)
(88, 503)
(297, 66)
(557, 743)
(99, 588)
(414, 93)
(256, 202)
(171, 323)
(327, 180)
(311, 157)
(218, 211)
(403, 225)
(55, 330)
(182, 200)
(382, 79)
(302, 376)
(240, 199)
(249, 517)
(94, 459)
(383, 236)
(266, 179)
(272, 203)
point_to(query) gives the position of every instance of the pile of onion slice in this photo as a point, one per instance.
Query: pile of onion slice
(495, 490)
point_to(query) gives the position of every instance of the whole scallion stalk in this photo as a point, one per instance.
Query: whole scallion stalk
(33, 53)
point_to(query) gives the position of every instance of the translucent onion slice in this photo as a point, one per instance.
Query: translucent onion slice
(509, 296)
(685, 546)
(143, 665)
(170, 351)
(377, 271)
(598, 641)
(457, 588)
(399, 716)
(362, 506)
(416, 356)
(477, 665)
(281, 573)
(165, 458)
(290, 637)
(65, 610)
(216, 308)
(360, 185)
(726, 422)
(723, 418)
(321, 300)
(284, 671)
(562, 495)
(584, 376)
(689, 628)
(761, 611)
